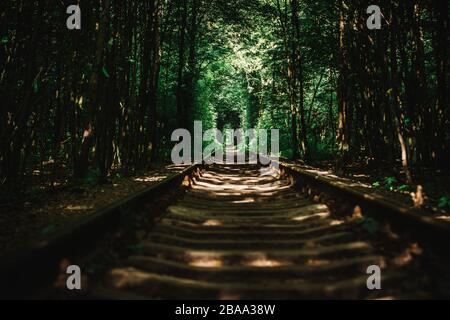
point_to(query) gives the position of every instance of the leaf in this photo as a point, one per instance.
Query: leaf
(370, 225)
(92, 177)
(35, 190)
(443, 202)
(48, 230)
(389, 182)
(376, 184)
(35, 86)
(105, 73)
(404, 187)
(407, 122)
(110, 43)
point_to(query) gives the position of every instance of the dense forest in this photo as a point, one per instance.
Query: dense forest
(107, 97)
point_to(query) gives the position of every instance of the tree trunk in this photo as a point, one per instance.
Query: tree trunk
(298, 69)
(342, 138)
(181, 90)
(95, 85)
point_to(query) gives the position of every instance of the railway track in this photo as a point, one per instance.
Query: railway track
(232, 233)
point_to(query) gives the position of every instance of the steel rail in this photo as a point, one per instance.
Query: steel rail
(38, 264)
(407, 219)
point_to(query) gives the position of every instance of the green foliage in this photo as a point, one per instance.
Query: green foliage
(390, 183)
(35, 190)
(105, 73)
(50, 229)
(444, 202)
(110, 43)
(118, 176)
(92, 177)
(369, 224)
(407, 123)
(404, 187)
(242, 64)
(35, 86)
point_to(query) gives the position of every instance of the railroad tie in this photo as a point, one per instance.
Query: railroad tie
(239, 234)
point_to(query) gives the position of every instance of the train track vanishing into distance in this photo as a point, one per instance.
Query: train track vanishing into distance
(228, 232)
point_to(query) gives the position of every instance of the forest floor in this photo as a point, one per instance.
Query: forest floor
(55, 202)
(389, 181)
